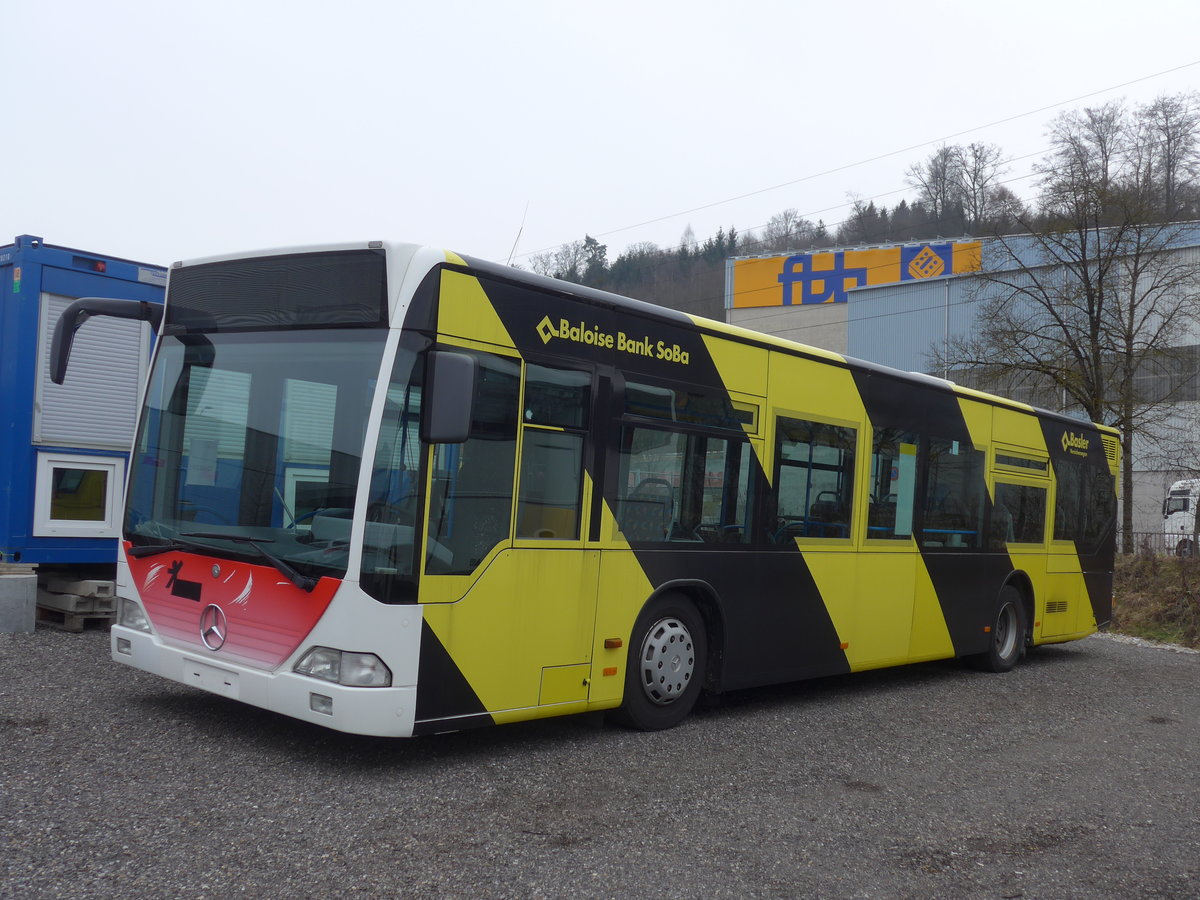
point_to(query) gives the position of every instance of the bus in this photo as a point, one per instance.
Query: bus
(396, 491)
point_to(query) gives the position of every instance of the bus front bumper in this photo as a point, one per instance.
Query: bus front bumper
(383, 712)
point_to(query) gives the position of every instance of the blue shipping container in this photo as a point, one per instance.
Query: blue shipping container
(64, 448)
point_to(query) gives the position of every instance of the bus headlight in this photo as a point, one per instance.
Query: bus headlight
(131, 615)
(342, 667)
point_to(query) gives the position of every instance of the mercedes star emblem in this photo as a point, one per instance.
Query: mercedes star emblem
(213, 628)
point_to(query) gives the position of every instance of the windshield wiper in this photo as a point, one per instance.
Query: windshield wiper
(304, 582)
(154, 549)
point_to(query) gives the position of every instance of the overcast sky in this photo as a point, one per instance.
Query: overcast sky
(174, 129)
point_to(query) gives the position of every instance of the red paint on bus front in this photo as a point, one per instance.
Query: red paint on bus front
(266, 616)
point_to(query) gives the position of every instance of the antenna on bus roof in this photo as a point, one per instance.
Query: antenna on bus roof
(513, 251)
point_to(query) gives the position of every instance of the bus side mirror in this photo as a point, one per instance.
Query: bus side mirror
(449, 397)
(83, 309)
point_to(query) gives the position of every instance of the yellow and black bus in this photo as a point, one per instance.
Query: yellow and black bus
(396, 491)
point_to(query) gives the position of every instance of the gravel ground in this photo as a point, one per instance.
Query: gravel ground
(1077, 775)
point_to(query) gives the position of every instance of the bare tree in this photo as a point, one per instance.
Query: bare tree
(938, 182)
(979, 167)
(1168, 134)
(1092, 307)
(1086, 149)
(1006, 211)
(785, 231)
(542, 263)
(569, 262)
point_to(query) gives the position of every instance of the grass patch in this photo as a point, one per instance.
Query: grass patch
(1157, 598)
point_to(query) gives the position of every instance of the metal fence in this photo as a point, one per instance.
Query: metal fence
(1155, 543)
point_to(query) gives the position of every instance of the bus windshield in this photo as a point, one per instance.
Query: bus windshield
(250, 445)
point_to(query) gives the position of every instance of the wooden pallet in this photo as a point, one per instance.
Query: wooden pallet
(73, 622)
(74, 604)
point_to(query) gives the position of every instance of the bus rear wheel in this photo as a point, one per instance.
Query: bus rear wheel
(1007, 635)
(665, 670)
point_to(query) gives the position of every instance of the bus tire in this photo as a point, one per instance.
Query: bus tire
(1184, 548)
(1007, 634)
(665, 670)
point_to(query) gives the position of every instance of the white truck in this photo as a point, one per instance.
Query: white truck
(1179, 516)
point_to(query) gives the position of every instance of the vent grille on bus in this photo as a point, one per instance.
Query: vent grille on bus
(1054, 607)
(1110, 449)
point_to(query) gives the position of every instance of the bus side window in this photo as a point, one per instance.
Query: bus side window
(1084, 504)
(1101, 501)
(551, 484)
(725, 514)
(954, 496)
(684, 487)
(814, 477)
(471, 493)
(1018, 515)
(1068, 506)
(893, 484)
(651, 476)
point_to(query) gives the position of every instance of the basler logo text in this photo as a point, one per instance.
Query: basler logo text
(1076, 444)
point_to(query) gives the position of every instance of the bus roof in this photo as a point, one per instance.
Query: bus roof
(421, 258)
(762, 339)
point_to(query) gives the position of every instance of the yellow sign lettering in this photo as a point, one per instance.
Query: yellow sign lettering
(591, 336)
(1076, 444)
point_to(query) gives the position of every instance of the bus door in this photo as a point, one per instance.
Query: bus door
(508, 588)
(894, 607)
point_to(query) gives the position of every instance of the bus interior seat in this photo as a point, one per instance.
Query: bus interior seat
(332, 524)
(645, 519)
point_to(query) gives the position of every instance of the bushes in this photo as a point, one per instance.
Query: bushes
(1158, 598)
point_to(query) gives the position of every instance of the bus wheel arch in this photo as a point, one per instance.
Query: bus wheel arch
(1023, 583)
(667, 662)
(708, 605)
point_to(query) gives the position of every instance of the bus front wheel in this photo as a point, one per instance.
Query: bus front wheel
(665, 670)
(1007, 635)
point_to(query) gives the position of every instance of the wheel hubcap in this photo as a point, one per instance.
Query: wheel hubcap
(1006, 632)
(668, 661)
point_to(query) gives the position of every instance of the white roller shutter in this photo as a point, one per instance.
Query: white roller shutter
(308, 415)
(96, 406)
(217, 406)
